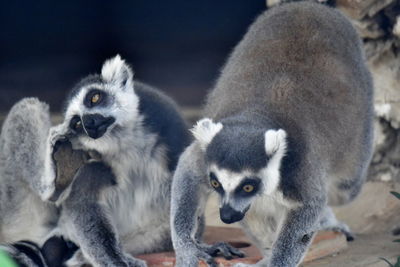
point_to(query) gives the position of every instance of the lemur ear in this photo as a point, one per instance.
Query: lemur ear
(275, 141)
(205, 130)
(115, 70)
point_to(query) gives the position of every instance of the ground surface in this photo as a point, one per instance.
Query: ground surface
(363, 252)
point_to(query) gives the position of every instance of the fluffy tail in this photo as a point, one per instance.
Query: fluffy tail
(54, 253)
(22, 253)
(24, 144)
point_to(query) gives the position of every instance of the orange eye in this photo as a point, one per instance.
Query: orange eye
(95, 98)
(248, 188)
(215, 183)
(78, 124)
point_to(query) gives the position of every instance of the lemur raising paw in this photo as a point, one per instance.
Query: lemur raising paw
(121, 200)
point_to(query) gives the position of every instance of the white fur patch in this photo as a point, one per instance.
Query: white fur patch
(275, 141)
(228, 179)
(396, 28)
(116, 70)
(205, 130)
(275, 147)
(383, 110)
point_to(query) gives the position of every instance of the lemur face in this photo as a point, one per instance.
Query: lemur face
(92, 122)
(243, 163)
(102, 105)
(236, 191)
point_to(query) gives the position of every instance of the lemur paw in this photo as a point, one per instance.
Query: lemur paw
(330, 222)
(224, 249)
(191, 254)
(133, 262)
(339, 227)
(344, 229)
(57, 133)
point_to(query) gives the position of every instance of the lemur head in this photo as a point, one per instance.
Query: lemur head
(101, 106)
(243, 163)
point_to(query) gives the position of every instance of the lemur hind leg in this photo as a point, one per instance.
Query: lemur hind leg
(329, 221)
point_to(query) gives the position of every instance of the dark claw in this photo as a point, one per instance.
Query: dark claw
(349, 236)
(226, 250)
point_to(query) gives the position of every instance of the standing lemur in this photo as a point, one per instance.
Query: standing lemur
(110, 208)
(287, 132)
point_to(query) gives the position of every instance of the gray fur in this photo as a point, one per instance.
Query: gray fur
(131, 214)
(90, 223)
(23, 142)
(300, 68)
(188, 203)
(23, 183)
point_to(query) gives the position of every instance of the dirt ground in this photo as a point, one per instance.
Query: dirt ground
(364, 251)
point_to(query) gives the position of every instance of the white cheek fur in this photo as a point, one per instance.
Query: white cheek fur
(275, 146)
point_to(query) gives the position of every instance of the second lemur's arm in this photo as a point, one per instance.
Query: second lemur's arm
(189, 196)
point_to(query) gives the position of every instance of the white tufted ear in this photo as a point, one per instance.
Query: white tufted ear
(275, 141)
(115, 70)
(205, 130)
(275, 147)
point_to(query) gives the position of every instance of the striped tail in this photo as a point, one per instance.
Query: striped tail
(24, 254)
(54, 253)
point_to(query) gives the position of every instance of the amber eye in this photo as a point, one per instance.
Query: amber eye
(248, 188)
(95, 98)
(78, 124)
(215, 183)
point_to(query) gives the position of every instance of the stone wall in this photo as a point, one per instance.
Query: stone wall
(378, 23)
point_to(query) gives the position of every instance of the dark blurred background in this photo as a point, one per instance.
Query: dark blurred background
(178, 45)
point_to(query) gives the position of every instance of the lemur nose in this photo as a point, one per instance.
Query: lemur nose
(93, 121)
(96, 125)
(229, 215)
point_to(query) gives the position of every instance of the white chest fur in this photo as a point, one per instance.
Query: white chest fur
(140, 200)
(264, 219)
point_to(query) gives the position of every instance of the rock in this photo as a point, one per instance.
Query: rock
(378, 23)
(375, 210)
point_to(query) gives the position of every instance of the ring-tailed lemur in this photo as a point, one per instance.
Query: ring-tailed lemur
(288, 131)
(139, 134)
(142, 142)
